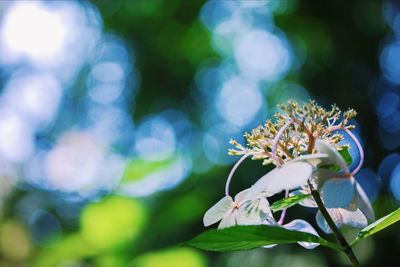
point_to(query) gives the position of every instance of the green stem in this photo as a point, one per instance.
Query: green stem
(342, 241)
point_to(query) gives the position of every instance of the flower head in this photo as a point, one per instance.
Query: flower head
(309, 122)
(346, 201)
(303, 144)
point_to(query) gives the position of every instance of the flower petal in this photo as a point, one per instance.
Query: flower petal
(354, 219)
(324, 147)
(303, 226)
(363, 203)
(241, 196)
(229, 220)
(341, 217)
(290, 176)
(218, 211)
(353, 206)
(338, 192)
(254, 212)
(336, 217)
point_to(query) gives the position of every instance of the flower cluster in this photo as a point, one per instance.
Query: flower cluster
(303, 143)
(300, 126)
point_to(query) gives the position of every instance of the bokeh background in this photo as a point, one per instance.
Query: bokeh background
(115, 118)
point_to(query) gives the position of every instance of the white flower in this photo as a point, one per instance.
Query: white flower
(251, 206)
(342, 195)
(252, 211)
(243, 210)
(337, 189)
(340, 189)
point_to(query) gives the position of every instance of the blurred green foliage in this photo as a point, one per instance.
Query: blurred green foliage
(339, 43)
(112, 222)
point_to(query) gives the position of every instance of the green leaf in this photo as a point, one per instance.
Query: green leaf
(346, 155)
(252, 236)
(288, 202)
(377, 226)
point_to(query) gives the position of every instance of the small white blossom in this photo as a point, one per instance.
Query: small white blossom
(340, 189)
(243, 210)
(342, 195)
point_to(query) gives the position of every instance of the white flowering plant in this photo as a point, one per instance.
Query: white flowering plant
(304, 142)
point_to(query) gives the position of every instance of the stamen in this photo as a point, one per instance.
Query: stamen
(276, 141)
(228, 181)
(283, 214)
(360, 151)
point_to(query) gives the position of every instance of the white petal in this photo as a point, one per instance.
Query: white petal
(241, 196)
(338, 192)
(353, 206)
(313, 159)
(363, 203)
(303, 226)
(218, 211)
(340, 216)
(270, 220)
(254, 212)
(308, 202)
(354, 219)
(228, 221)
(324, 147)
(336, 217)
(290, 176)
